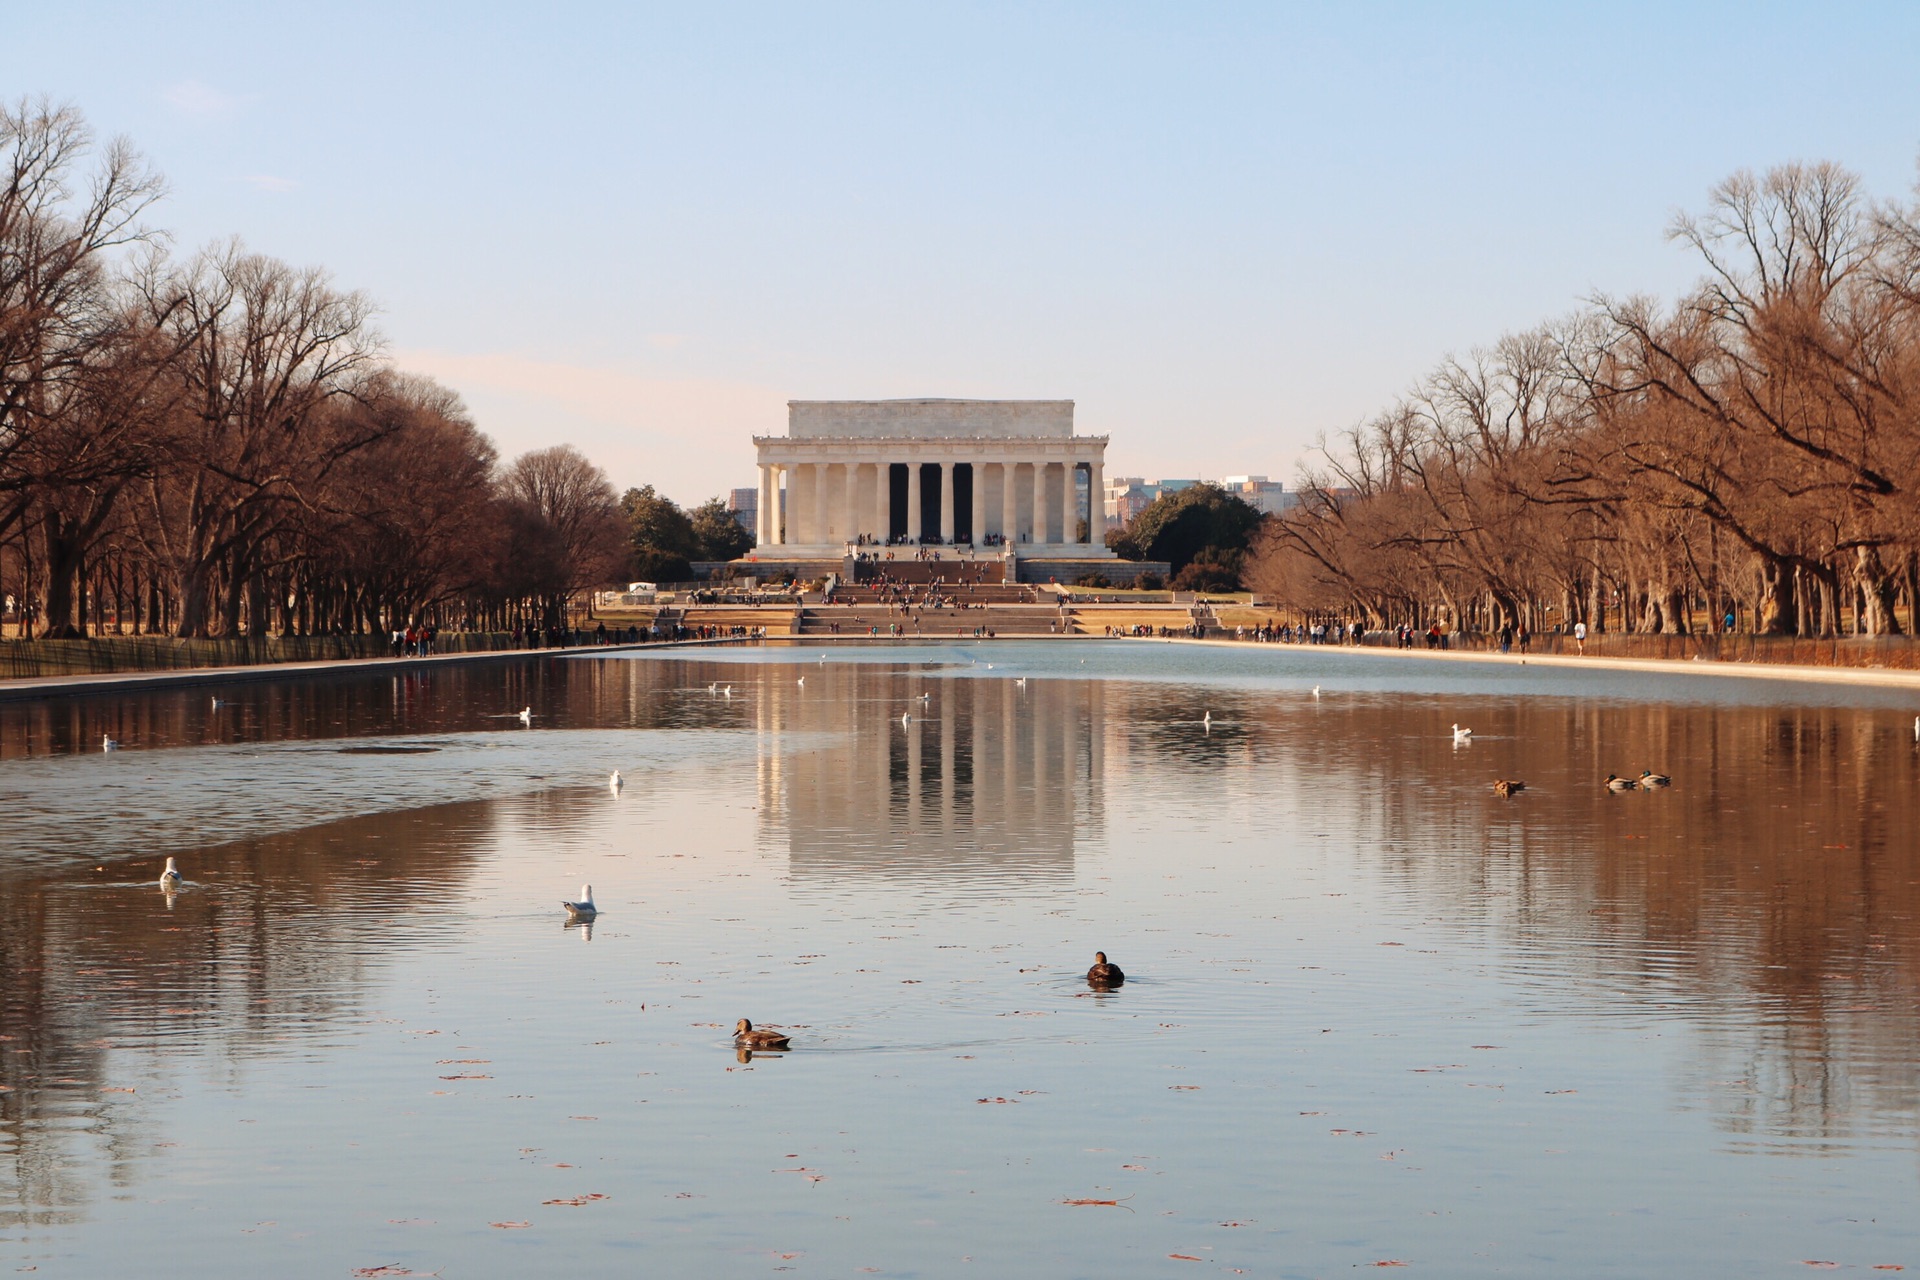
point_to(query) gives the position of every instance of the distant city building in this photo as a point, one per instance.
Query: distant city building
(1128, 496)
(744, 506)
(1268, 497)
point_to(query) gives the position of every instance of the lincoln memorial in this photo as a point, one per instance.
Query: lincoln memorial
(990, 475)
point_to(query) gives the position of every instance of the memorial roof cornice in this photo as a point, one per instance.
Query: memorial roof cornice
(883, 442)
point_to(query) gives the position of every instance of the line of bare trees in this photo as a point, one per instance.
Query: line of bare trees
(1748, 456)
(215, 444)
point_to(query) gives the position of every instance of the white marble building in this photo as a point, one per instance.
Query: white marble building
(985, 473)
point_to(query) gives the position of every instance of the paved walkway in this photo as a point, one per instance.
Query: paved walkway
(125, 681)
(1665, 666)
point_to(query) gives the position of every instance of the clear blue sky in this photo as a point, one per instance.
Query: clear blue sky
(1221, 228)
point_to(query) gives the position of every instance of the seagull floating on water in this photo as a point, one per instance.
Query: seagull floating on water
(905, 719)
(714, 687)
(216, 704)
(803, 682)
(170, 878)
(526, 715)
(107, 743)
(1316, 691)
(616, 782)
(1462, 735)
(1207, 720)
(1022, 682)
(728, 691)
(583, 909)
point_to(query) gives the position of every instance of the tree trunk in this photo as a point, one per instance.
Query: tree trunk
(1877, 615)
(1779, 606)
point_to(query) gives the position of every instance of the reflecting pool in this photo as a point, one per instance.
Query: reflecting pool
(1374, 1013)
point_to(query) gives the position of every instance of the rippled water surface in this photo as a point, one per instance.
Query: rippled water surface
(1374, 1013)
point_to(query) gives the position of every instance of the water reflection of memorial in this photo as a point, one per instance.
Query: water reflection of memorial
(986, 782)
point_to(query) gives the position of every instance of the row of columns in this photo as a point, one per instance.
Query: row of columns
(810, 505)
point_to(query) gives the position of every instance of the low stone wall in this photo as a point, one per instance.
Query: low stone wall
(1121, 573)
(24, 659)
(1895, 652)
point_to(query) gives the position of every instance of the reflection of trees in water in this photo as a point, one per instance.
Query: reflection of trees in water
(344, 704)
(1772, 896)
(986, 782)
(274, 938)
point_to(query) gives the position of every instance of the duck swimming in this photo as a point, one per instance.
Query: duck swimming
(1650, 779)
(583, 909)
(1621, 784)
(1507, 786)
(1103, 974)
(170, 878)
(745, 1037)
(616, 782)
(1462, 735)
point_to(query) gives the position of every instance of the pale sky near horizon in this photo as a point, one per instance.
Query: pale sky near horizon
(1219, 228)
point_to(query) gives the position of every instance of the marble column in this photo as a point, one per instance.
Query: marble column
(822, 474)
(882, 500)
(762, 529)
(946, 503)
(1096, 504)
(776, 523)
(1042, 502)
(913, 501)
(979, 527)
(850, 503)
(1009, 502)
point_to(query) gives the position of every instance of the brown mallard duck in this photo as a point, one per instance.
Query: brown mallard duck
(1615, 783)
(745, 1037)
(1103, 974)
(1507, 786)
(1649, 779)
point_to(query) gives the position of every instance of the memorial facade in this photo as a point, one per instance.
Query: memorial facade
(985, 474)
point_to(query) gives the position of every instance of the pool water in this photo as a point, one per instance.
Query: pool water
(1374, 1013)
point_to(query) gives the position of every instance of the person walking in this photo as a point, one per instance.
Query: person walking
(1580, 637)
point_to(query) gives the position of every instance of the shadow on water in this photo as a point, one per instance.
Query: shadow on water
(268, 941)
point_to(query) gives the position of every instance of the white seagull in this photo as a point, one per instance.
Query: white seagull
(1206, 721)
(803, 682)
(1021, 682)
(727, 692)
(216, 704)
(926, 697)
(714, 687)
(906, 718)
(1462, 735)
(1316, 691)
(616, 782)
(170, 878)
(107, 743)
(583, 909)
(526, 716)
